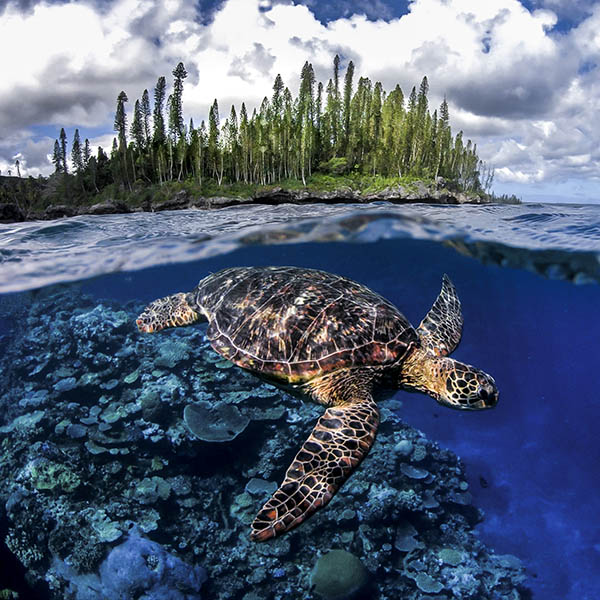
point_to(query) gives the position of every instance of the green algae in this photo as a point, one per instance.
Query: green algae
(151, 489)
(24, 422)
(450, 556)
(428, 584)
(47, 475)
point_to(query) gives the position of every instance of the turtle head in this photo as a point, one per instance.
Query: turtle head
(450, 382)
(465, 387)
(172, 311)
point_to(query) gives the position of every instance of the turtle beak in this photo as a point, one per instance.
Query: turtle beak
(143, 326)
(488, 396)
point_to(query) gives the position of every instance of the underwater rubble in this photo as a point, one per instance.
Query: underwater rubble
(133, 465)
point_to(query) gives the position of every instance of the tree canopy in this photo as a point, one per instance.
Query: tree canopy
(354, 127)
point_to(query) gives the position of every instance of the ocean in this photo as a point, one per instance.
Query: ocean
(133, 465)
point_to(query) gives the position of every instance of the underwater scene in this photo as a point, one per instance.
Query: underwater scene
(137, 465)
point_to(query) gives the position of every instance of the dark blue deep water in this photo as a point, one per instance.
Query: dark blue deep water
(528, 280)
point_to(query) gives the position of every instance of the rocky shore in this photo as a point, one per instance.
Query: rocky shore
(418, 193)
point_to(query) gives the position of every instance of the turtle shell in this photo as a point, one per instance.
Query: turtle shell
(293, 324)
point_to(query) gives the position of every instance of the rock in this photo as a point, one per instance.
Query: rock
(142, 568)
(108, 207)
(413, 472)
(65, 385)
(76, 431)
(10, 213)
(260, 487)
(405, 538)
(278, 195)
(220, 202)
(179, 200)
(214, 423)
(404, 447)
(427, 584)
(58, 211)
(338, 575)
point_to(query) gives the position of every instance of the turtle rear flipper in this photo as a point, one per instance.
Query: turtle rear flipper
(173, 311)
(341, 438)
(441, 328)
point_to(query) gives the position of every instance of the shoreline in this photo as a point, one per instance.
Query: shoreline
(182, 199)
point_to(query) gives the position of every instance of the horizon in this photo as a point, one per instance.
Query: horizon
(520, 77)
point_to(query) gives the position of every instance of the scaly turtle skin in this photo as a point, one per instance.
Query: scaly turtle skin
(335, 342)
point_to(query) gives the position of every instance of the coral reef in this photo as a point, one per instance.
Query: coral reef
(338, 575)
(132, 466)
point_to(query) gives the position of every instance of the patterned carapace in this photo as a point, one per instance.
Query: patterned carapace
(294, 324)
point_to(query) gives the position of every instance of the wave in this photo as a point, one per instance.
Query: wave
(557, 241)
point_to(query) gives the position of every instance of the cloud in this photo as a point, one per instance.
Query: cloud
(33, 155)
(526, 93)
(257, 60)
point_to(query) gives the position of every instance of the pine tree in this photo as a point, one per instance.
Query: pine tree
(57, 157)
(346, 109)
(76, 154)
(146, 113)
(244, 136)
(87, 153)
(444, 141)
(334, 110)
(214, 153)
(232, 145)
(176, 125)
(276, 129)
(328, 135)
(318, 116)
(121, 129)
(121, 121)
(375, 126)
(158, 135)
(202, 149)
(137, 127)
(306, 119)
(63, 150)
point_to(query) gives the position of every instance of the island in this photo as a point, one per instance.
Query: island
(338, 142)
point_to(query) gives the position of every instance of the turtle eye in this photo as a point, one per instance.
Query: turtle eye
(488, 394)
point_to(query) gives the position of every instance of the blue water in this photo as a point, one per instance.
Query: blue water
(532, 463)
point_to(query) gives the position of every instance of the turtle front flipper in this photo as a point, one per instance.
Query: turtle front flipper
(341, 438)
(441, 328)
(173, 311)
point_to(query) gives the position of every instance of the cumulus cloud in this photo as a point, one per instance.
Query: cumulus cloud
(527, 93)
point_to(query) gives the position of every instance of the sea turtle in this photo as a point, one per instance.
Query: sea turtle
(339, 344)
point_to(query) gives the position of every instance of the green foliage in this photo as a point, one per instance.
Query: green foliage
(176, 126)
(158, 118)
(360, 135)
(76, 153)
(335, 166)
(63, 150)
(57, 157)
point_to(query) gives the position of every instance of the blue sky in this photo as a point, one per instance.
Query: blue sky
(521, 77)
